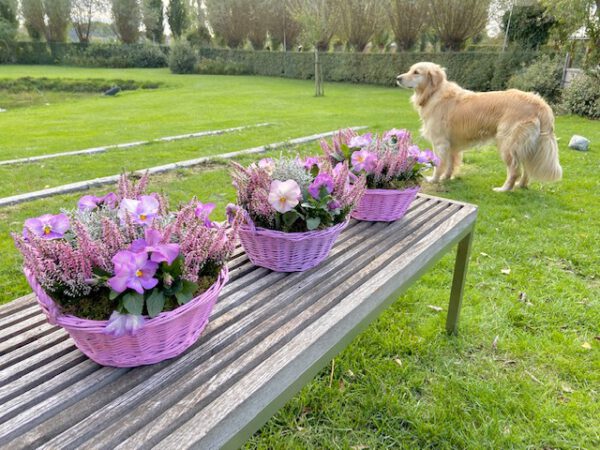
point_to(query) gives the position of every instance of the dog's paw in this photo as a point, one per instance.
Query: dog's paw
(501, 189)
(432, 180)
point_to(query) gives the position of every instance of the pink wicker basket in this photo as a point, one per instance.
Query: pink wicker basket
(384, 205)
(163, 337)
(287, 252)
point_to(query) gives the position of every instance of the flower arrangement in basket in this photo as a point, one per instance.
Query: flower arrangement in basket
(131, 281)
(393, 167)
(293, 210)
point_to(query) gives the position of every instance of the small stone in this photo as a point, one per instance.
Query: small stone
(2, 110)
(113, 91)
(579, 143)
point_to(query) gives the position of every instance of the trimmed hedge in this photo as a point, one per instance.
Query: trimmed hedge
(480, 71)
(27, 84)
(88, 55)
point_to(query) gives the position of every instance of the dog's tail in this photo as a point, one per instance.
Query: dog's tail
(540, 157)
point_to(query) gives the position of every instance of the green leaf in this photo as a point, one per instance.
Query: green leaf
(101, 273)
(314, 171)
(134, 303)
(113, 294)
(313, 223)
(187, 292)
(155, 303)
(290, 217)
(346, 151)
(175, 269)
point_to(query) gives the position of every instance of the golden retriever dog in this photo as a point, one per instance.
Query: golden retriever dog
(455, 119)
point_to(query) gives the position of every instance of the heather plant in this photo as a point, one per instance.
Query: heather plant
(389, 161)
(294, 195)
(125, 255)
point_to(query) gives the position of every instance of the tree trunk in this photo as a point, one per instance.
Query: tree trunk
(318, 76)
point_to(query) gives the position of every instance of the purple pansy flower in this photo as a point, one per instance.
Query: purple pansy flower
(48, 226)
(121, 324)
(310, 162)
(91, 202)
(268, 164)
(414, 151)
(203, 210)
(360, 141)
(322, 180)
(333, 205)
(396, 134)
(428, 156)
(133, 271)
(142, 211)
(364, 160)
(152, 244)
(231, 210)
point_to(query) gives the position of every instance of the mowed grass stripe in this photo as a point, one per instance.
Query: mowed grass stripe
(88, 184)
(105, 148)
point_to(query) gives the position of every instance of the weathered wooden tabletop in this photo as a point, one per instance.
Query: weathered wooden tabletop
(269, 334)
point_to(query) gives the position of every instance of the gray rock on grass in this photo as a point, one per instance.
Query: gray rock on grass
(579, 143)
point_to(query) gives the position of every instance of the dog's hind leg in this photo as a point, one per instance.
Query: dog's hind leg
(512, 169)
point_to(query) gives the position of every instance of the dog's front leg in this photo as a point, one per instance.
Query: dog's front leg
(438, 171)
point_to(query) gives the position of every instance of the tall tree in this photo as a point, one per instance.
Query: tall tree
(33, 15)
(455, 21)
(408, 19)
(8, 19)
(257, 23)
(529, 25)
(319, 20)
(126, 20)
(283, 28)
(229, 20)
(178, 17)
(82, 16)
(572, 15)
(359, 21)
(153, 18)
(57, 19)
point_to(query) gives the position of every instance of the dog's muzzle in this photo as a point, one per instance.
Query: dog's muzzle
(399, 81)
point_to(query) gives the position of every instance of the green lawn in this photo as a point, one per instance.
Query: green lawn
(403, 383)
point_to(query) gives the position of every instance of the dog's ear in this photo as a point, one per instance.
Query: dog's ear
(434, 79)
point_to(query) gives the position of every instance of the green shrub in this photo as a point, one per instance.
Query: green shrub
(582, 97)
(28, 84)
(222, 67)
(182, 58)
(543, 76)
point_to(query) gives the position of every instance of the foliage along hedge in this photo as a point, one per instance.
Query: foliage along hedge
(88, 55)
(27, 84)
(474, 70)
(481, 71)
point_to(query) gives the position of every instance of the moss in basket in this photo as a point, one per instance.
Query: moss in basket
(99, 306)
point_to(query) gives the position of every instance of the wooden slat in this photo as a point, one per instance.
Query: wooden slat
(216, 424)
(247, 346)
(256, 351)
(239, 326)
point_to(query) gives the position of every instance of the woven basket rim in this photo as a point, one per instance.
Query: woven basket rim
(294, 236)
(391, 191)
(68, 321)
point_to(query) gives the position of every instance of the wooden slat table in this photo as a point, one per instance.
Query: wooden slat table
(268, 336)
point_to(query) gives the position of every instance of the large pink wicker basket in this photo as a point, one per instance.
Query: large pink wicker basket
(287, 252)
(384, 205)
(163, 337)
